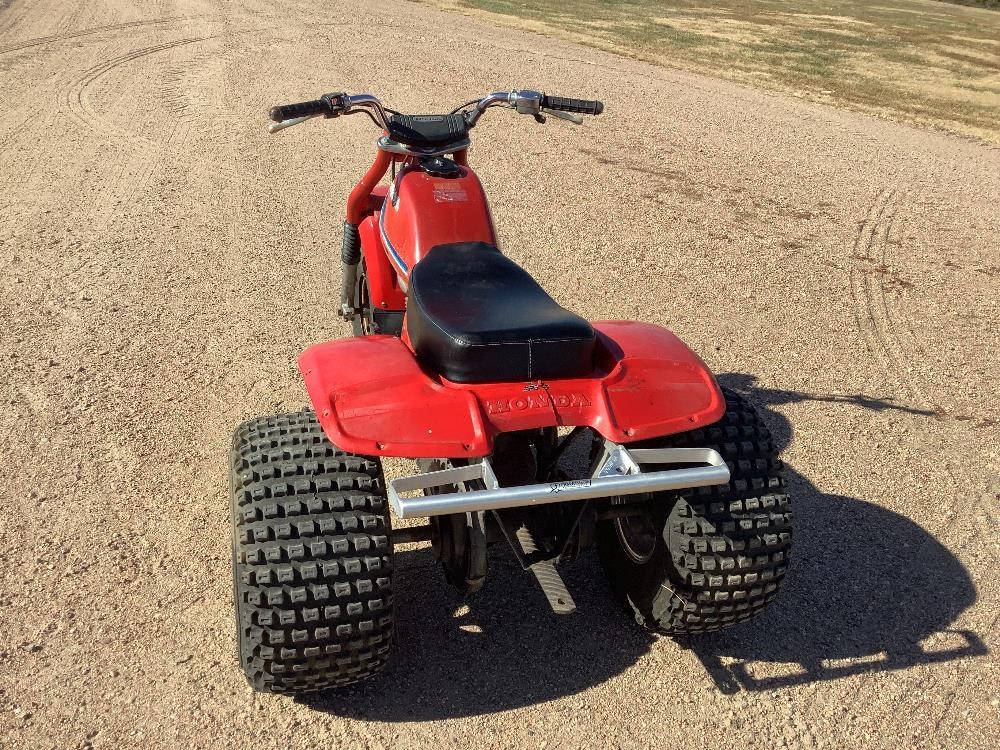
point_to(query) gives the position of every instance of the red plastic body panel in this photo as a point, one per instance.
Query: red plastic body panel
(423, 211)
(383, 284)
(373, 398)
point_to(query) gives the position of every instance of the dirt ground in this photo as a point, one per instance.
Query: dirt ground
(164, 261)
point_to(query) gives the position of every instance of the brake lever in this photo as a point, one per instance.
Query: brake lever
(274, 127)
(572, 117)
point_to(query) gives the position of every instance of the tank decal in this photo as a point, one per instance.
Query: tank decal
(431, 211)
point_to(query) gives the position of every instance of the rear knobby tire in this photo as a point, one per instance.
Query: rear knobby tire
(713, 556)
(312, 557)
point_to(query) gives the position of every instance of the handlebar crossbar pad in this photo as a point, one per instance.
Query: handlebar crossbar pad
(302, 109)
(582, 106)
(426, 131)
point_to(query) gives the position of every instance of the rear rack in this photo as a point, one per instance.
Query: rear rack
(617, 474)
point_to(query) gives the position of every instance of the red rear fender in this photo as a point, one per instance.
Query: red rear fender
(373, 398)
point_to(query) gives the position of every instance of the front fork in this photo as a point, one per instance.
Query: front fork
(350, 253)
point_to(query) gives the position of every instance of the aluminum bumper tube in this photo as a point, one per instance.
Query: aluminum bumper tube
(618, 474)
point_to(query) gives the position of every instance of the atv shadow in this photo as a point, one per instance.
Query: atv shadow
(868, 589)
(499, 649)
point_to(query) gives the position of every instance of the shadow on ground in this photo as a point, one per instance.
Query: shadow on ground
(868, 590)
(505, 650)
(867, 586)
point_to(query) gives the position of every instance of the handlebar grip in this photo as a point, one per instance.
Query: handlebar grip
(301, 109)
(582, 106)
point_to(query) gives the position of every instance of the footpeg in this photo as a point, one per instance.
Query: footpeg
(547, 576)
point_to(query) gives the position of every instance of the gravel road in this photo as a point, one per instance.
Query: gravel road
(164, 261)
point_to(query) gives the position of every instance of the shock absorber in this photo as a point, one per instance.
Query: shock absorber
(350, 256)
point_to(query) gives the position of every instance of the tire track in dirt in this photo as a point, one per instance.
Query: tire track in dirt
(9, 18)
(133, 172)
(870, 274)
(54, 38)
(137, 167)
(872, 277)
(74, 100)
(13, 132)
(877, 324)
(23, 164)
(869, 269)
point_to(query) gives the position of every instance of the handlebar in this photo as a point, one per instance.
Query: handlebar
(524, 102)
(301, 109)
(582, 106)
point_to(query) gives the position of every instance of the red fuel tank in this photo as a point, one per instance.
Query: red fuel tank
(423, 210)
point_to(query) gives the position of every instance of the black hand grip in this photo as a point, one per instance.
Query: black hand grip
(582, 106)
(301, 109)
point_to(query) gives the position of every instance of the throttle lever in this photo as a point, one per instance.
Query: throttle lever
(573, 118)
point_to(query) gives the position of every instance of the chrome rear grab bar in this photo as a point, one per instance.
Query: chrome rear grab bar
(617, 473)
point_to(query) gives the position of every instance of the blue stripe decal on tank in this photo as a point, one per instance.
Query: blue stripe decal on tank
(393, 255)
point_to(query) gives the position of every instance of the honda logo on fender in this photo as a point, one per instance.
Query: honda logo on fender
(536, 401)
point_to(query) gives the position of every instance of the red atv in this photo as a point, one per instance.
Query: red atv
(529, 425)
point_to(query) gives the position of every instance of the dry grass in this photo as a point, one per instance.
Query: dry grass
(930, 63)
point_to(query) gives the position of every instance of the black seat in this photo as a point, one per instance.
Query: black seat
(427, 131)
(475, 316)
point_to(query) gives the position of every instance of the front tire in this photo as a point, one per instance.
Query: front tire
(312, 557)
(361, 323)
(704, 559)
